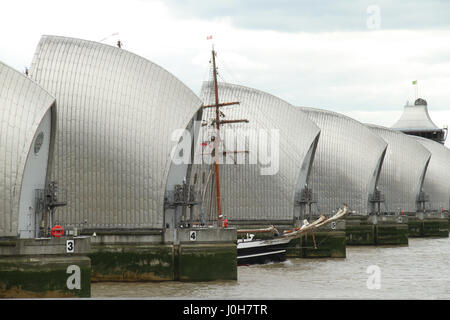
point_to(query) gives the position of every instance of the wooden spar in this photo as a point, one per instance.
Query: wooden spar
(316, 224)
(228, 121)
(233, 121)
(216, 89)
(224, 153)
(223, 104)
(219, 208)
(314, 239)
(234, 152)
(216, 141)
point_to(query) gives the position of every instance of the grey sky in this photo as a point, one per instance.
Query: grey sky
(321, 54)
(318, 16)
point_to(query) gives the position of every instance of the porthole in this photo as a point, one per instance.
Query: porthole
(38, 142)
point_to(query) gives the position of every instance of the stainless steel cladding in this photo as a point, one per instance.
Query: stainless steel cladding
(437, 178)
(347, 162)
(259, 189)
(23, 106)
(117, 113)
(403, 170)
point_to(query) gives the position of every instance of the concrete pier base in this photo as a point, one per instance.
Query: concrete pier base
(41, 268)
(328, 241)
(430, 224)
(377, 230)
(206, 262)
(202, 254)
(132, 262)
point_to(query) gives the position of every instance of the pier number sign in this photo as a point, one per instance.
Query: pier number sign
(193, 235)
(70, 246)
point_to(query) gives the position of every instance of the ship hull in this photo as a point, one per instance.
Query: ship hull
(261, 251)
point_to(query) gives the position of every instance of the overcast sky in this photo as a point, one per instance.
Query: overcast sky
(354, 57)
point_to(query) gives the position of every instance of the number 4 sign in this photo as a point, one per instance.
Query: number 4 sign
(70, 246)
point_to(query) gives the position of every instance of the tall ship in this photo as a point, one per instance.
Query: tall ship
(251, 249)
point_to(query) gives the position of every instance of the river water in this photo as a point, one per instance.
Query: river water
(418, 271)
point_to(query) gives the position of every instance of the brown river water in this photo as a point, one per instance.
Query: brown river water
(418, 271)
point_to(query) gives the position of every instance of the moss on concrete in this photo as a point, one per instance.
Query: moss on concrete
(363, 234)
(326, 245)
(415, 227)
(185, 262)
(294, 248)
(378, 234)
(42, 277)
(428, 228)
(132, 262)
(392, 234)
(204, 262)
(435, 228)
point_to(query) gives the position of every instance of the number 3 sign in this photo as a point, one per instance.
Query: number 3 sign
(70, 246)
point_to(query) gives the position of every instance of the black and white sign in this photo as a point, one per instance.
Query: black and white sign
(193, 235)
(333, 225)
(70, 246)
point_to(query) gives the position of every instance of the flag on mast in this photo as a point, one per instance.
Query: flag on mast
(417, 88)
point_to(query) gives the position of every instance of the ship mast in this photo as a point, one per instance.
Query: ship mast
(218, 122)
(216, 141)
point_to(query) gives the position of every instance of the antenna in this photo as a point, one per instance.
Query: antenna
(111, 35)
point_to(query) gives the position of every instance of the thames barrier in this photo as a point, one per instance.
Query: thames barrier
(113, 170)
